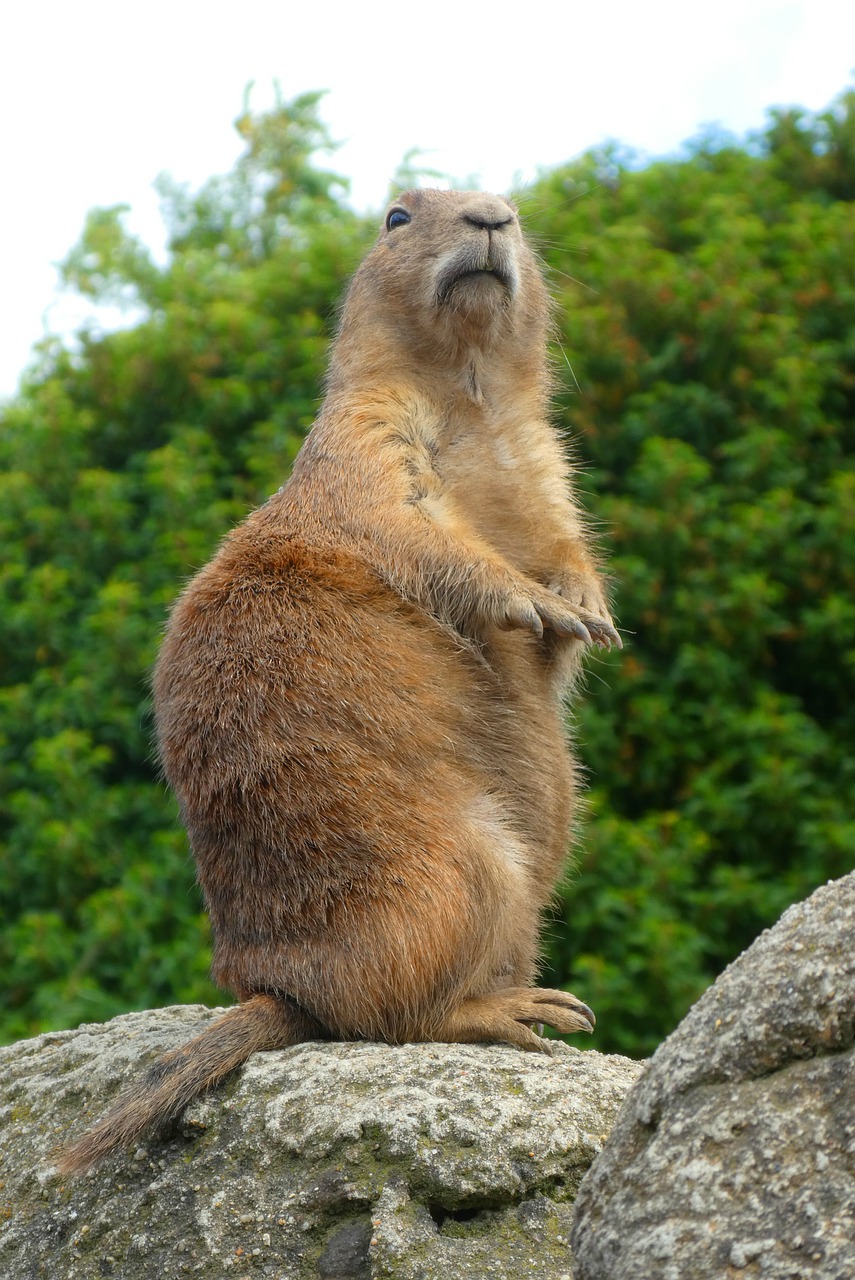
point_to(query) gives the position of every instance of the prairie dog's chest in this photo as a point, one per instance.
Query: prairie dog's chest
(473, 469)
(483, 469)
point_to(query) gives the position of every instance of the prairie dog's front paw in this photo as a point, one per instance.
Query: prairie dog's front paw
(546, 609)
(584, 593)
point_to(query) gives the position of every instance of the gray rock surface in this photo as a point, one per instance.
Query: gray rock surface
(325, 1160)
(734, 1156)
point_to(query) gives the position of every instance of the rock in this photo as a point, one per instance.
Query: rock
(325, 1160)
(734, 1155)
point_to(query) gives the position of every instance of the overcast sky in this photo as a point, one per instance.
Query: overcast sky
(97, 98)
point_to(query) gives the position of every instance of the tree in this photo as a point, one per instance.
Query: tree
(712, 398)
(715, 349)
(123, 463)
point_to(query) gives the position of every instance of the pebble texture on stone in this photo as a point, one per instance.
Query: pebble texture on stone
(734, 1156)
(419, 1162)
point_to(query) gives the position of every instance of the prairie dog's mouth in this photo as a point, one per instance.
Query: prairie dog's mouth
(458, 273)
(475, 272)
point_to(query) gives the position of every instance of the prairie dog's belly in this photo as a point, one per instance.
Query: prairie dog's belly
(289, 655)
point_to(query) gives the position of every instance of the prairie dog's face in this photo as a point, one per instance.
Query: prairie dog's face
(450, 279)
(463, 245)
(453, 262)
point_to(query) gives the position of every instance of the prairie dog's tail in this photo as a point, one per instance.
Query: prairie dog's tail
(173, 1081)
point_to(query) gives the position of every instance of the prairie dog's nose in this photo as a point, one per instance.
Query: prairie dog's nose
(490, 214)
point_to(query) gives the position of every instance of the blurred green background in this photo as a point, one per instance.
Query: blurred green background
(706, 304)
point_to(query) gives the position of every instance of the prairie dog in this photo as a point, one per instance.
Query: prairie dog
(359, 700)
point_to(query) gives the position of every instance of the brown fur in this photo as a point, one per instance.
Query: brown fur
(359, 699)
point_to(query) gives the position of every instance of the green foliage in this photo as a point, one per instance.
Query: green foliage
(713, 339)
(715, 349)
(121, 466)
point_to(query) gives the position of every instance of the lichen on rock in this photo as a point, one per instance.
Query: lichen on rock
(733, 1156)
(330, 1160)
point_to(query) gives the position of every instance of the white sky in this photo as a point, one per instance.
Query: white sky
(96, 98)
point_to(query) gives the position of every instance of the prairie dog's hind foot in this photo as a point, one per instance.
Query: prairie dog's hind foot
(508, 1015)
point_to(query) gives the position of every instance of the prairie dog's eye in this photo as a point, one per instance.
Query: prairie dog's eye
(396, 218)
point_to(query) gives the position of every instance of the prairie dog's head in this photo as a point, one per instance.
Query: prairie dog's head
(450, 271)
(469, 242)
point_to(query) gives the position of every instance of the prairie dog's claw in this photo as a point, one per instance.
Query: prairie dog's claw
(583, 595)
(603, 632)
(521, 612)
(555, 611)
